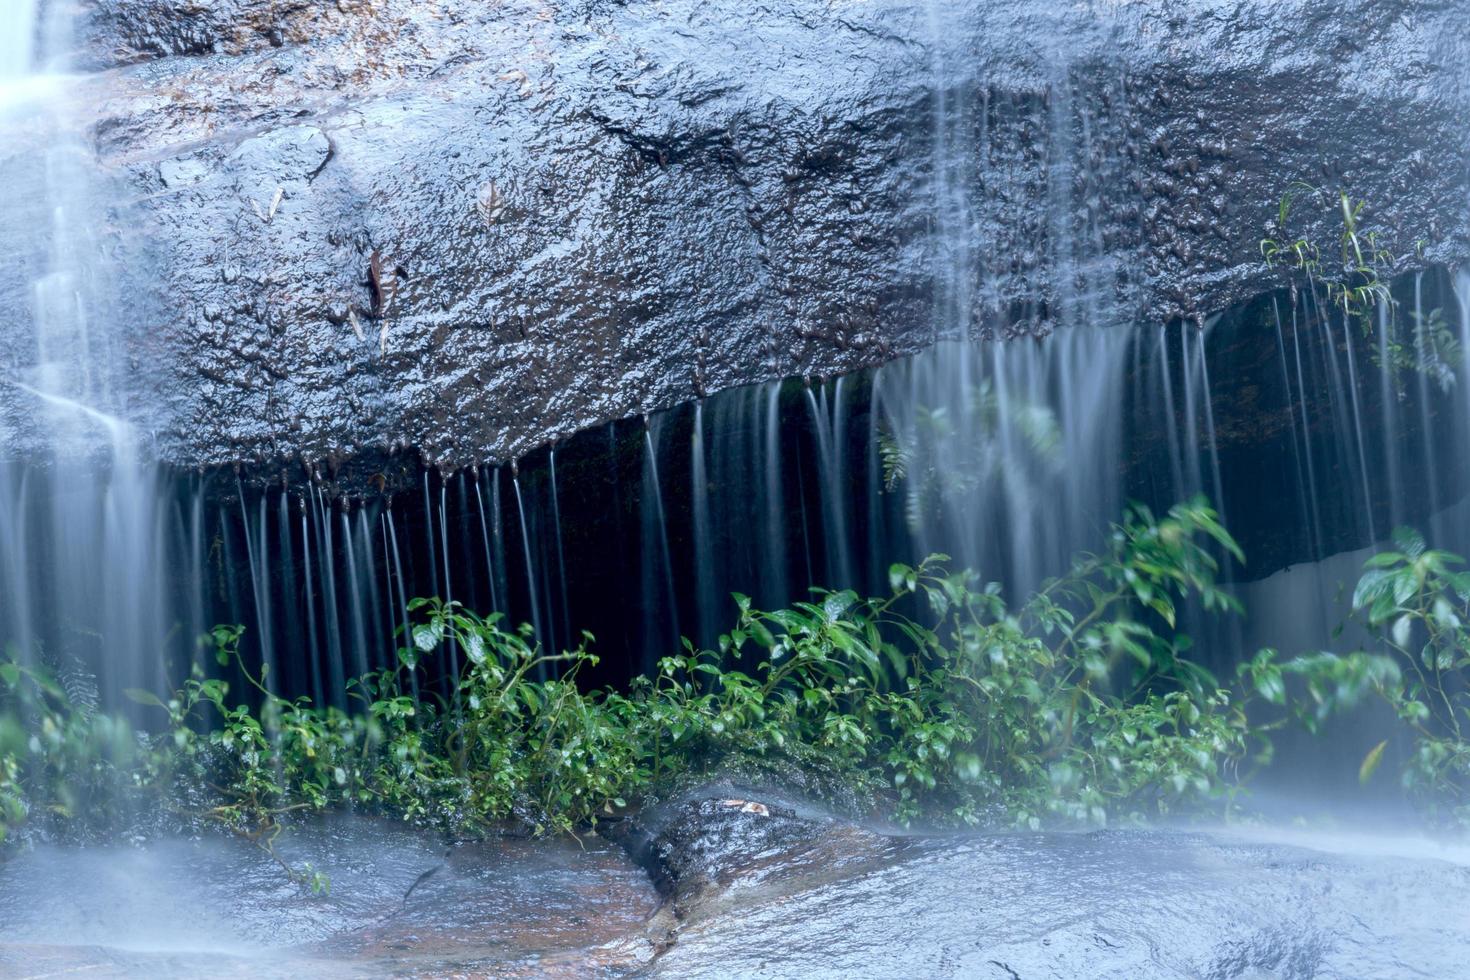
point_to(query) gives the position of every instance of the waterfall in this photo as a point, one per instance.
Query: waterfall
(17, 43)
(558, 601)
(83, 521)
(953, 235)
(707, 601)
(532, 582)
(660, 597)
(1009, 456)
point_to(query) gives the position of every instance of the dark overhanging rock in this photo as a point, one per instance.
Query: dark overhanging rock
(336, 231)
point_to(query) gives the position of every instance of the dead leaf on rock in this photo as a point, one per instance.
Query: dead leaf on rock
(747, 806)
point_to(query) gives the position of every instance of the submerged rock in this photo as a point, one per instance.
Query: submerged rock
(796, 894)
(336, 229)
(178, 907)
(750, 883)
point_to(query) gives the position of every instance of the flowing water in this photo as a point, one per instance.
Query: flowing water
(19, 41)
(402, 904)
(1125, 905)
(82, 515)
(1310, 436)
(1008, 455)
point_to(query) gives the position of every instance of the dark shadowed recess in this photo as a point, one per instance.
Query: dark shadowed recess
(637, 531)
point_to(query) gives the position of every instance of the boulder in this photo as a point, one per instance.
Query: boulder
(321, 231)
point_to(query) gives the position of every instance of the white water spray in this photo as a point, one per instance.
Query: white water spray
(80, 504)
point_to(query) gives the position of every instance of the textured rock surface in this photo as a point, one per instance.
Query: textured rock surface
(1147, 904)
(760, 884)
(191, 906)
(474, 227)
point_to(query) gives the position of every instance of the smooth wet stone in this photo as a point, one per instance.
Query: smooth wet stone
(219, 907)
(753, 884)
(291, 155)
(1126, 904)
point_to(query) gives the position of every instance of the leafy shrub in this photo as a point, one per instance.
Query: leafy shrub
(61, 763)
(1073, 706)
(1416, 603)
(1081, 706)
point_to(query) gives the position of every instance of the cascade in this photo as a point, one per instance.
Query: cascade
(533, 584)
(559, 595)
(84, 519)
(954, 236)
(1008, 455)
(664, 324)
(17, 45)
(660, 597)
(701, 490)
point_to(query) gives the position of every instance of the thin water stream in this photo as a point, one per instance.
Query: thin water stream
(1009, 456)
(83, 525)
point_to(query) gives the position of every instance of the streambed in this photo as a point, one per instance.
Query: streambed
(755, 894)
(221, 908)
(1133, 905)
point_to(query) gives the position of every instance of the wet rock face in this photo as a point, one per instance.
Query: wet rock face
(337, 229)
(190, 905)
(130, 31)
(1139, 904)
(762, 884)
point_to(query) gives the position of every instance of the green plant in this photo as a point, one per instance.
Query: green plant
(1358, 284)
(61, 762)
(941, 701)
(1416, 602)
(1432, 349)
(1081, 705)
(541, 748)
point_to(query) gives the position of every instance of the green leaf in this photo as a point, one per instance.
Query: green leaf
(143, 697)
(1371, 762)
(1405, 585)
(1270, 686)
(834, 605)
(761, 634)
(10, 674)
(1401, 629)
(1373, 584)
(1409, 541)
(426, 637)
